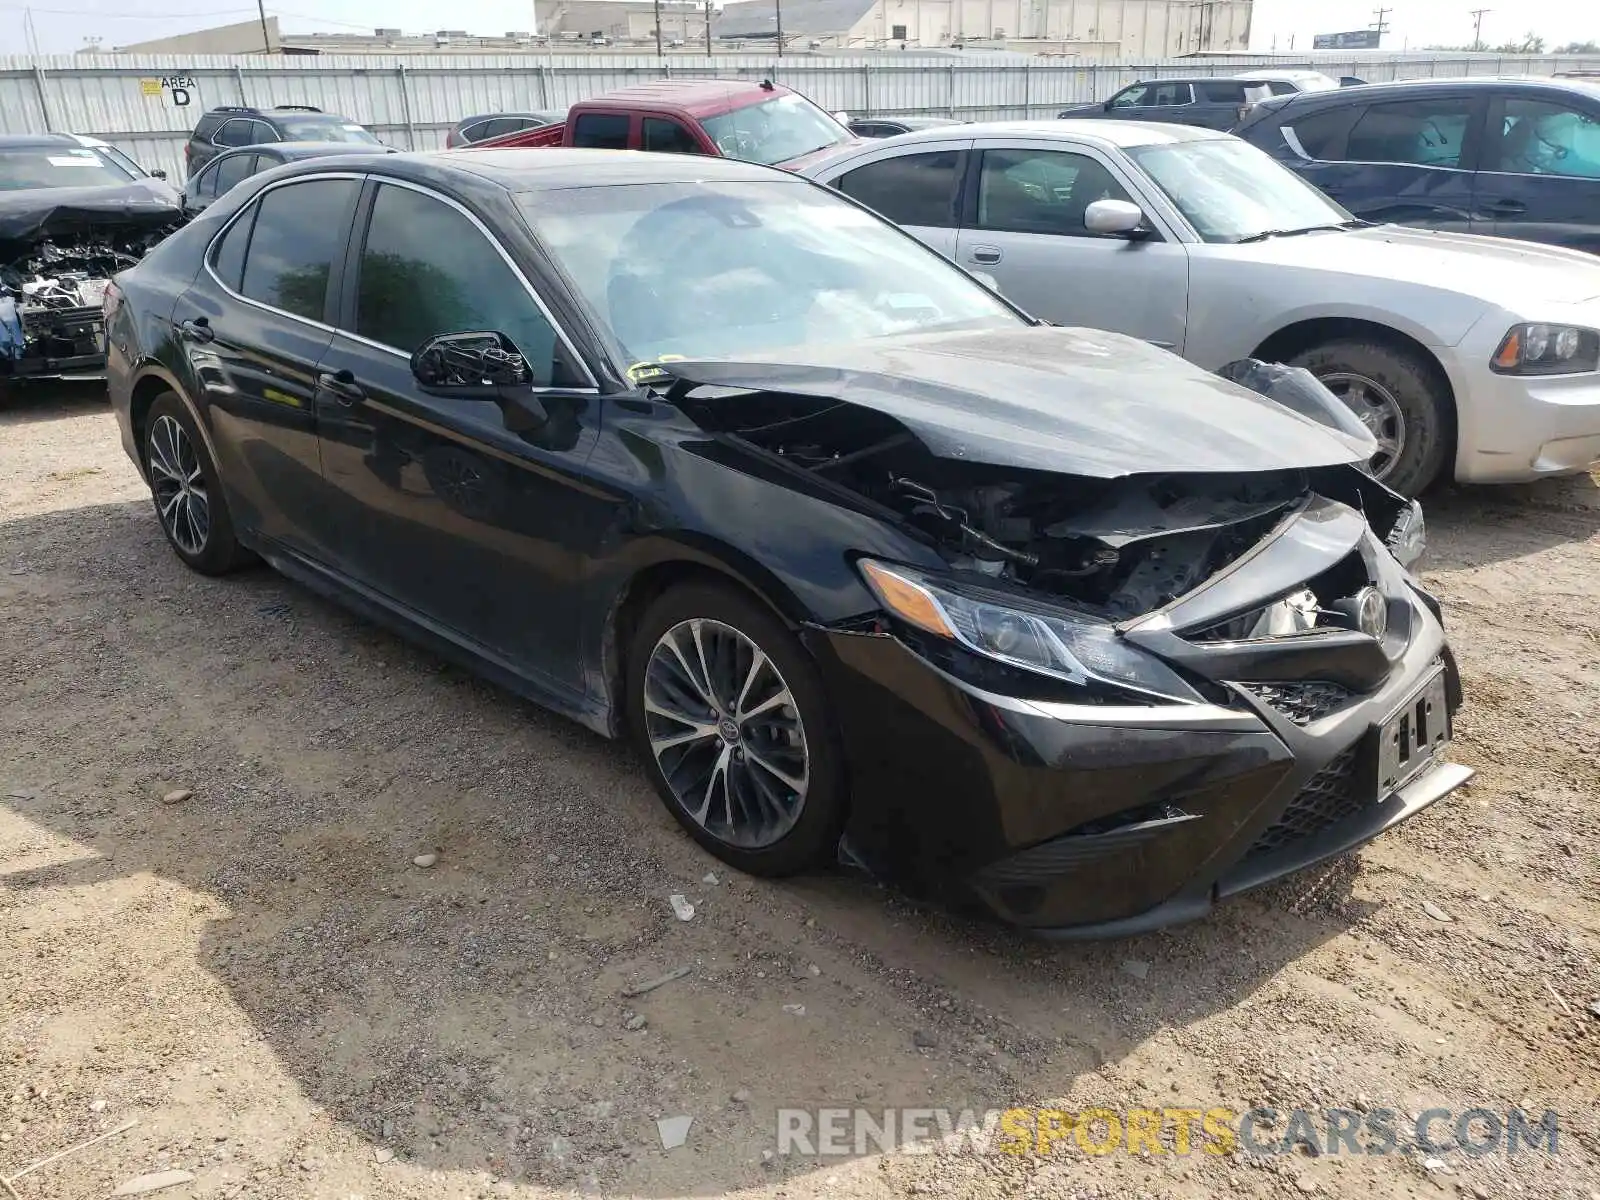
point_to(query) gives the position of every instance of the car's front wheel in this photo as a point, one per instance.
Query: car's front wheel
(186, 490)
(1399, 398)
(729, 713)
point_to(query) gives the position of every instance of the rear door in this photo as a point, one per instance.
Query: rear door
(1411, 160)
(602, 130)
(915, 187)
(469, 514)
(1539, 178)
(252, 329)
(1022, 221)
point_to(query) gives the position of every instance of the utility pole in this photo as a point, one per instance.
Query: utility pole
(777, 9)
(1477, 26)
(708, 28)
(266, 41)
(658, 28)
(1381, 25)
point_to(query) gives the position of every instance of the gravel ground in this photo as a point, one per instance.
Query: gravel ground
(258, 974)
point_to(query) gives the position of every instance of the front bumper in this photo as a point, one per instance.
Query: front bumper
(1515, 428)
(1080, 821)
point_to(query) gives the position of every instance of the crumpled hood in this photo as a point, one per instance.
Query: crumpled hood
(1076, 401)
(1498, 271)
(35, 215)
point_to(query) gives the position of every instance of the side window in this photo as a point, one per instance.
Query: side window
(1539, 138)
(1224, 93)
(1282, 87)
(227, 257)
(1317, 135)
(603, 131)
(666, 136)
(426, 269)
(234, 169)
(1041, 191)
(261, 132)
(300, 229)
(1424, 133)
(911, 189)
(234, 133)
(497, 128)
(1135, 97)
(205, 183)
(1170, 95)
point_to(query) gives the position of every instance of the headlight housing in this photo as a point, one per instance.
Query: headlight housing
(1062, 645)
(1537, 349)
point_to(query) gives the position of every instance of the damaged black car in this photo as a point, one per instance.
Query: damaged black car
(870, 567)
(71, 217)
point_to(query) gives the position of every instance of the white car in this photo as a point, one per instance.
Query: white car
(1472, 356)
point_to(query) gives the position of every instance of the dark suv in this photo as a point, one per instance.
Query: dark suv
(1509, 157)
(227, 126)
(1212, 103)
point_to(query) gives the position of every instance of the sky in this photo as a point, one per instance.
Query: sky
(61, 26)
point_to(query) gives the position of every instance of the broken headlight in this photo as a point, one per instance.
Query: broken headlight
(1409, 537)
(1065, 646)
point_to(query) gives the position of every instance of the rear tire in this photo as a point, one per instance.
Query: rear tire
(1397, 395)
(730, 716)
(187, 490)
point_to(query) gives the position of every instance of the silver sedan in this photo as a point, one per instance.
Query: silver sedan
(1472, 356)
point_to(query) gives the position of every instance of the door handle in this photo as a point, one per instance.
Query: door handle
(1507, 208)
(986, 254)
(197, 330)
(342, 385)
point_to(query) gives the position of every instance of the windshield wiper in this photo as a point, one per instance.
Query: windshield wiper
(1354, 223)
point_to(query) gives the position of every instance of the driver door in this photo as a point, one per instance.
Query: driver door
(458, 512)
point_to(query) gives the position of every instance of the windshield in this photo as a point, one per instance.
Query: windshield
(703, 270)
(775, 130)
(1230, 191)
(327, 129)
(58, 167)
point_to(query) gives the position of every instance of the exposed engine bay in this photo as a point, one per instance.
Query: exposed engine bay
(58, 253)
(1117, 547)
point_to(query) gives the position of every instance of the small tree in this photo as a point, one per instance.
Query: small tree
(1531, 43)
(1579, 48)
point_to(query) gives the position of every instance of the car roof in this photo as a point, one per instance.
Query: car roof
(1119, 135)
(697, 97)
(36, 141)
(909, 122)
(1582, 87)
(290, 151)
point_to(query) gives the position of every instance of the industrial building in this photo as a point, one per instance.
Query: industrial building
(1132, 30)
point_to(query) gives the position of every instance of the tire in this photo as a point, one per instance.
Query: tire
(1385, 374)
(195, 518)
(750, 821)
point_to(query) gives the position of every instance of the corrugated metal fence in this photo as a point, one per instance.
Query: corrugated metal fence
(412, 100)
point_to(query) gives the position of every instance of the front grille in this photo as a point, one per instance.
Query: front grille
(1330, 796)
(1302, 703)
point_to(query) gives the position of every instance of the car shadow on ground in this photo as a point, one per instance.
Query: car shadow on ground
(470, 1016)
(50, 400)
(1471, 526)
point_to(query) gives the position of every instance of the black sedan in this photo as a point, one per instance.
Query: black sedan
(864, 561)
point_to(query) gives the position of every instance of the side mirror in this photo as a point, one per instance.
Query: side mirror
(479, 366)
(1106, 107)
(988, 281)
(842, 117)
(158, 173)
(1116, 217)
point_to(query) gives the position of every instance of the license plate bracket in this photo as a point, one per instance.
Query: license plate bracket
(1414, 734)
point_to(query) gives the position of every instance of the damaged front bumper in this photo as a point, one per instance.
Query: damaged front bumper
(51, 343)
(1084, 820)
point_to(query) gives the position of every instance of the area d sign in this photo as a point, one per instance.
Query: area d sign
(180, 87)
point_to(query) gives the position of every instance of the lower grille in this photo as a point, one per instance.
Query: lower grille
(1331, 795)
(1304, 702)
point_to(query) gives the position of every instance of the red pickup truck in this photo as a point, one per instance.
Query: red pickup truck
(760, 122)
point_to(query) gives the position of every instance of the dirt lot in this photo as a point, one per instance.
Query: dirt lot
(289, 1008)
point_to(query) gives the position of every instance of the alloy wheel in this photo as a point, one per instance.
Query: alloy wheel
(1376, 408)
(179, 486)
(726, 732)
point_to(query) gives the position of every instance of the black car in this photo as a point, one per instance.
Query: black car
(1508, 157)
(71, 216)
(227, 127)
(1213, 103)
(225, 170)
(865, 562)
(492, 125)
(882, 127)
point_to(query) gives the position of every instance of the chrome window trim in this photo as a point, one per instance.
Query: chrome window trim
(381, 180)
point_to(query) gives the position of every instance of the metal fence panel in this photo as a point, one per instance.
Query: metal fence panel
(412, 100)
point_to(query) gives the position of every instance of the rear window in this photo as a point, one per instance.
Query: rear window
(1318, 134)
(1223, 93)
(324, 129)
